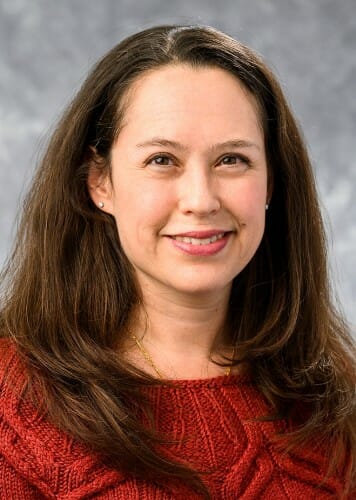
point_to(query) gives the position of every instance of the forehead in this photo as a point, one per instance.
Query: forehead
(180, 97)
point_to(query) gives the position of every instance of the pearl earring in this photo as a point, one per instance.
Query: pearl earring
(101, 204)
(267, 206)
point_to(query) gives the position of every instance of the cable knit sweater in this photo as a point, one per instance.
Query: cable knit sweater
(212, 419)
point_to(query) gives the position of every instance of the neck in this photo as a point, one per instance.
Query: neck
(181, 336)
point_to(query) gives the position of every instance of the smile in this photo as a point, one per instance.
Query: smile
(199, 241)
(201, 244)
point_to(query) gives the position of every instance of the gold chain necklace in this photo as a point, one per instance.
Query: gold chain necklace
(151, 362)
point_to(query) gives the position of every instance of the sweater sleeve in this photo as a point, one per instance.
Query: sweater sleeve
(12, 485)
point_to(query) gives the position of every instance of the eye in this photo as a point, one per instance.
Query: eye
(160, 160)
(234, 159)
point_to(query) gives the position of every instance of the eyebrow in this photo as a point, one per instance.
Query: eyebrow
(234, 143)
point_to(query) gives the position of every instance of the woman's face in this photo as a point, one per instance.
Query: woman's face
(189, 180)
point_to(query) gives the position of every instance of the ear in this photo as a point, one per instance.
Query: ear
(99, 185)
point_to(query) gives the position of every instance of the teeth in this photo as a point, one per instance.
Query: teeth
(199, 241)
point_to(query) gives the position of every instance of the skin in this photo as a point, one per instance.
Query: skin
(190, 157)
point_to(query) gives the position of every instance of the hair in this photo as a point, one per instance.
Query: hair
(68, 289)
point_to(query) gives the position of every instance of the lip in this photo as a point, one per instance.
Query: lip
(204, 250)
(208, 233)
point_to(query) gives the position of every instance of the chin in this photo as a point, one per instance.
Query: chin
(189, 287)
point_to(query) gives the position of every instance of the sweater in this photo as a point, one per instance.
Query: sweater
(212, 420)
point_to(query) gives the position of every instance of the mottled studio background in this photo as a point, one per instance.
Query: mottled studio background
(47, 47)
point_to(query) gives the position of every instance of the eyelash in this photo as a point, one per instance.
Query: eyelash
(150, 161)
(238, 157)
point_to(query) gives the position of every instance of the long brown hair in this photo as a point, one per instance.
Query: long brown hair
(68, 290)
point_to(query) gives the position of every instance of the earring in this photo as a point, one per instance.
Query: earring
(267, 206)
(101, 204)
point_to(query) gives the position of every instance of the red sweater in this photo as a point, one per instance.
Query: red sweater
(39, 461)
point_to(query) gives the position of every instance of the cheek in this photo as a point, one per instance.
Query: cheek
(249, 199)
(139, 210)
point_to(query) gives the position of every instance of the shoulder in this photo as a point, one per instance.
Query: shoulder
(43, 455)
(12, 370)
(8, 353)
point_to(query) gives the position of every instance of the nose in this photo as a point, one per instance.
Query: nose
(198, 192)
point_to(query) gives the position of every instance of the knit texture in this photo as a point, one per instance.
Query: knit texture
(213, 422)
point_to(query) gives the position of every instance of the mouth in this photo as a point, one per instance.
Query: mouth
(201, 243)
(200, 240)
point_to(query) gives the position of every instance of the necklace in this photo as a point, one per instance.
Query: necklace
(151, 362)
(147, 356)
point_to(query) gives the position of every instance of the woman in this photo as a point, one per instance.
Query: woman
(167, 322)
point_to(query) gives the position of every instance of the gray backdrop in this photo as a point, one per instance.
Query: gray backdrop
(47, 47)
